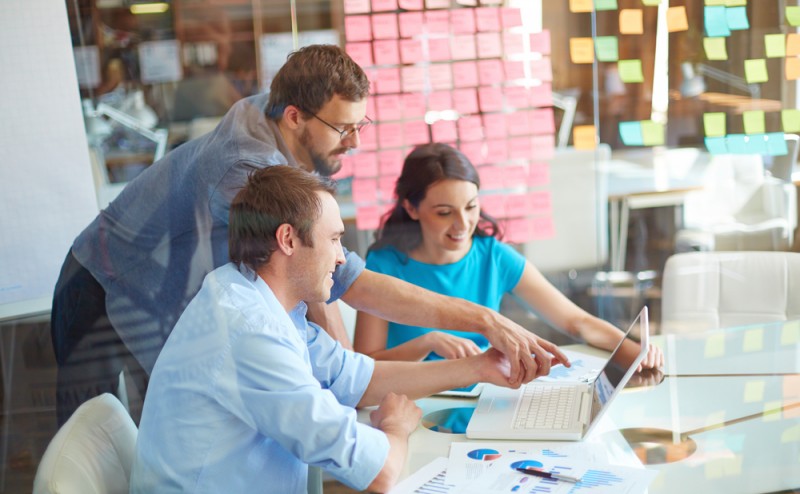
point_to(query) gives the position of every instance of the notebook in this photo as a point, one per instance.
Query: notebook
(556, 410)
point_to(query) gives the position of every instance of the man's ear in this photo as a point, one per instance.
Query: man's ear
(293, 117)
(410, 209)
(287, 239)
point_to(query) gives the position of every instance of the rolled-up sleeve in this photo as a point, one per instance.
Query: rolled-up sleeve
(346, 274)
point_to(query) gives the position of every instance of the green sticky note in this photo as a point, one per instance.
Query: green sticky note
(630, 70)
(775, 45)
(651, 2)
(737, 18)
(607, 48)
(790, 119)
(755, 70)
(754, 391)
(652, 133)
(753, 122)
(714, 124)
(605, 4)
(716, 48)
(793, 15)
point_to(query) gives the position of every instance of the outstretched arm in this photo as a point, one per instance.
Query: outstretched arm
(396, 300)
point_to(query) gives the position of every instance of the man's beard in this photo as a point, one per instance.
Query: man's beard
(322, 164)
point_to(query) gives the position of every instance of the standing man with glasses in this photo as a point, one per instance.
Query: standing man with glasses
(130, 274)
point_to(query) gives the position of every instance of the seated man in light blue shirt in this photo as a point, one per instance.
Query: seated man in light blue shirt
(247, 393)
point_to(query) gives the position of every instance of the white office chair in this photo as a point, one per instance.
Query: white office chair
(92, 453)
(708, 290)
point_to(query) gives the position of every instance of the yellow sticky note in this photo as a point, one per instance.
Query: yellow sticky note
(772, 410)
(715, 346)
(790, 333)
(755, 70)
(715, 2)
(735, 3)
(581, 5)
(792, 68)
(652, 133)
(753, 124)
(792, 44)
(676, 19)
(714, 124)
(753, 391)
(581, 50)
(651, 2)
(630, 70)
(793, 15)
(584, 137)
(753, 338)
(790, 120)
(775, 45)
(631, 21)
(716, 48)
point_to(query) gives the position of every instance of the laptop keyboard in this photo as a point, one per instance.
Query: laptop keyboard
(545, 407)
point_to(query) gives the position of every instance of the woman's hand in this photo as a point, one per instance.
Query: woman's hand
(449, 346)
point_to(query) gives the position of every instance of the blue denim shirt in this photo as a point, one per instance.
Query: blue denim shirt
(244, 396)
(151, 247)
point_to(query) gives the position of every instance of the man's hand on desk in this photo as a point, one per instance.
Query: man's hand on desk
(396, 415)
(653, 360)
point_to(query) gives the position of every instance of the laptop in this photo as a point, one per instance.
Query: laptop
(556, 410)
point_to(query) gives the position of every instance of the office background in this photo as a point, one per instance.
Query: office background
(609, 134)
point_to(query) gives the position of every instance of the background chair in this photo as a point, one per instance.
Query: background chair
(92, 453)
(708, 290)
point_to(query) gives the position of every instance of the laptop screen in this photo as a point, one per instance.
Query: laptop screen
(619, 368)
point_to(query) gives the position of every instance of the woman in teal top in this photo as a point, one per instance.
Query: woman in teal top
(437, 237)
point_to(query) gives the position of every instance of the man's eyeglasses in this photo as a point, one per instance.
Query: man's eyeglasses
(346, 133)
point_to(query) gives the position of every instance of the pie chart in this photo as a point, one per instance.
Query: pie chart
(484, 454)
(526, 464)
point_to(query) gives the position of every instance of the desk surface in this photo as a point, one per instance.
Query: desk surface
(734, 392)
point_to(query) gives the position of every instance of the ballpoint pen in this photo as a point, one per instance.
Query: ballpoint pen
(548, 475)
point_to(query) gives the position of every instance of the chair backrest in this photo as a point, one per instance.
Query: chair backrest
(708, 290)
(783, 166)
(92, 453)
(580, 213)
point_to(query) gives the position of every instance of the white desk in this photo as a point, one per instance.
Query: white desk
(717, 388)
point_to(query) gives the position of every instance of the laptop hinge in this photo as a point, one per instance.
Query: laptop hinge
(584, 408)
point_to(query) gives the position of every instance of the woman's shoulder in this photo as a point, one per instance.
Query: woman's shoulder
(386, 255)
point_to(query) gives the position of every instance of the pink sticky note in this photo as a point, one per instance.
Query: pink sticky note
(411, 24)
(441, 76)
(414, 106)
(416, 132)
(388, 80)
(388, 107)
(493, 204)
(514, 175)
(465, 74)
(542, 69)
(364, 190)
(386, 186)
(494, 125)
(411, 50)
(517, 96)
(492, 179)
(543, 228)
(440, 101)
(368, 217)
(384, 5)
(540, 42)
(517, 205)
(470, 128)
(467, 3)
(541, 202)
(544, 147)
(390, 163)
(439, 49)
(413, 78)
(386, 52)
(368, 138)
(520, 147)
(384, 26)
(365, 165)
(519, 123)
(475, 152)
(538, 174)
(361, 53)
(541, 95)
(490, 99)
(390, 135)
(513, 43)
(444, 131)
(373, 80)
(542, 121)
(465, 101)
(462, 21)
(489, 45)
(346, 170)
(487, 19)
(514, 69)
(372, 110)
(463, 47)
(490, 72)
(410, 4)
(497, 150)
(509, 17)
(437, 21)
(356, 6)
(357, 28)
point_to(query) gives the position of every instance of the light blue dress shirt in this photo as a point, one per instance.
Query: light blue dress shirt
(244, 396)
